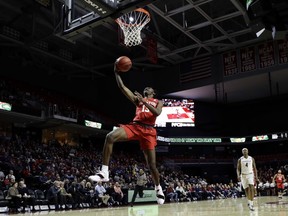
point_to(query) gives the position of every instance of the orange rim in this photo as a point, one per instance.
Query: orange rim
(138, 10)
(143, 11)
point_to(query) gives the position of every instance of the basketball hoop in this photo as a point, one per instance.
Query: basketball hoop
(131, 24)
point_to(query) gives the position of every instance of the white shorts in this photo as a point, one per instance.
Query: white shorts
(247, 179)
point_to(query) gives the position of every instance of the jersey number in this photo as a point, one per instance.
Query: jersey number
(246, 164)
(145, 109)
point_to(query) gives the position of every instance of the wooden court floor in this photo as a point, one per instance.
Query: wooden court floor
(264, 206)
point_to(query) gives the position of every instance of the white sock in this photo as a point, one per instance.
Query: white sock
(104, 168)
(158, 187)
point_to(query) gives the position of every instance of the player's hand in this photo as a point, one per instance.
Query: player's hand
(115, 68)
(139, 96)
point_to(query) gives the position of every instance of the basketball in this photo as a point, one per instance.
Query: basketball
(123, 64)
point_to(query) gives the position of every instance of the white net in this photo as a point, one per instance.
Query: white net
(131, 24)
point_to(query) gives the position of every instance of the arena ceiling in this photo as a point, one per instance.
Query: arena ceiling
(33, 32)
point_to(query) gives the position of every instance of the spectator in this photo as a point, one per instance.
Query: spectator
(73, 190)
(171, 193)
(117, 194)
(53, 195)
(2, 180)
(65, 197)
(182, 194)
(90, 195)
(14, 197)
(84, 194)
(27, 198)
(2, 175)
(101, 192)
(10, 177)
(267, 188)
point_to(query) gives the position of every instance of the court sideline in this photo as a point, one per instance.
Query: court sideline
(264, 206)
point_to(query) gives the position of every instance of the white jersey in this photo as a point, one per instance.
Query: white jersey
(246, 165)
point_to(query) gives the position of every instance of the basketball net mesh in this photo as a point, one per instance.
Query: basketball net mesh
(131, 24)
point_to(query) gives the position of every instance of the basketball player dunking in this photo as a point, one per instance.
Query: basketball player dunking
(141, 129)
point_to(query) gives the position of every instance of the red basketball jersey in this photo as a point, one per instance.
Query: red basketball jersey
(279, 179)
(144, 115)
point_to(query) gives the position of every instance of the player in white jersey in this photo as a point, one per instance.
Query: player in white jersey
(247, 174)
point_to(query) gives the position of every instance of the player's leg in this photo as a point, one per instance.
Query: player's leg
(246, 189)
(248, 192)
(245, 185)
(116, 135)
(280, 192)
(150, 157)
(251, 194)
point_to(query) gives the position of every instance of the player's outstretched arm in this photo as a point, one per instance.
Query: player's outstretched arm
(126, 91)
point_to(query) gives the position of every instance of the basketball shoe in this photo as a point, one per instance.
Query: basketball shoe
(160, 196)
(100, 176)
(251, 207)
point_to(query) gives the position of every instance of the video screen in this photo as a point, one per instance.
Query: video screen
(176, 113)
